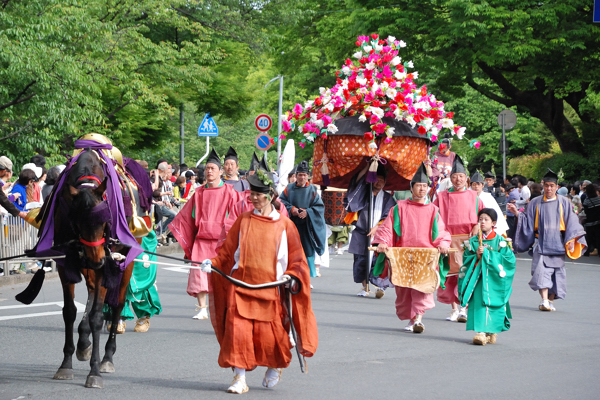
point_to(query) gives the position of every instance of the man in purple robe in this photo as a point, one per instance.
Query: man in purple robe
(357, 202)
(551, 226)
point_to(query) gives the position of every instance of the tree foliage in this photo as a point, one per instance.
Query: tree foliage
(529, 55)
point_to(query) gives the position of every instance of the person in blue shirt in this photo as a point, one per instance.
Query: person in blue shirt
(26, 179)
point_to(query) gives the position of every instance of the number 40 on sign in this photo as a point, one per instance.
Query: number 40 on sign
(263, 122)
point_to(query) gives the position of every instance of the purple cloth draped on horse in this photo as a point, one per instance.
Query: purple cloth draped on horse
(118, 228)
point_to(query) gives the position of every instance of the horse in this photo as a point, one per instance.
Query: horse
(82, 223)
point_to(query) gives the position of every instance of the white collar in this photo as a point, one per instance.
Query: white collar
(274, 214)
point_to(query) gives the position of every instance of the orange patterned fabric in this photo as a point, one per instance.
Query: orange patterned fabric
(345, 153)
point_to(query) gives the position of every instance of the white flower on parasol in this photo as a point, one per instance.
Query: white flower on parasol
(358, 55)
(447, 123)
(332, 128)
(362, 118)
(396, 60)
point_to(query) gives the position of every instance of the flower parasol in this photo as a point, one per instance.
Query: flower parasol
(379, 110)
(379, 87)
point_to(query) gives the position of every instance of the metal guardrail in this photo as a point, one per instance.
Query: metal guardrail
(16, 236)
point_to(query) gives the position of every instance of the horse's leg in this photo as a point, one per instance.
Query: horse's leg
(94, 380)
(111, 344)
(84, 346)
(65, 371)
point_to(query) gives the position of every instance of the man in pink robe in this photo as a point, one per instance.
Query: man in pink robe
(198, 226)
(414, 222)
(458, 209)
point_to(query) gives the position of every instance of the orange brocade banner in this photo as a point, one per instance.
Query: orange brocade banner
(347, 153)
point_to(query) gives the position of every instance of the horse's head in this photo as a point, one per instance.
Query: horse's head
(89, 216)
(89, 213)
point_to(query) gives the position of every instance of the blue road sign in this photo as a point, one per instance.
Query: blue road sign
(263, 142)
(208, 127)
(597, 11)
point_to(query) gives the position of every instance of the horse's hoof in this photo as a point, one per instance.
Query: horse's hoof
(107, 367)
(94, 381)
(64, 374)
(85, 354)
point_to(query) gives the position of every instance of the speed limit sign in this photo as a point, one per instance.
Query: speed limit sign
(263, 122)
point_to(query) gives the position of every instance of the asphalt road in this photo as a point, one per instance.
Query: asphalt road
(363, 353)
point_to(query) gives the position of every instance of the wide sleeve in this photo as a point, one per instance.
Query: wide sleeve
(224, 260)
(387, 206)
(385, 231)
(469, 272)
(184, 227)
(499, 272)
(217, 285)
(525, 231)
(303, 316)
(283, 198)
(440, 235)
(574, 232)
(316, 218)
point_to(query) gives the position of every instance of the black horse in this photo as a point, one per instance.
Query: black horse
(82, 220)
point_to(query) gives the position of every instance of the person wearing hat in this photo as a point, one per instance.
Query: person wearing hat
(551, 226)
(485, 280)
(230, 171)
(34, 191)
(252, 326)
(478, 186)
(7, 202)
(198, 226)
(307, 212)
(356, 203)
(414, 222)
(458, 209)
(443, 160)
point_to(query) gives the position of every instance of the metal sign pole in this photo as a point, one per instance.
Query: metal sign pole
(181, 134)
(279, 121)
(503, 150)
(207, 150)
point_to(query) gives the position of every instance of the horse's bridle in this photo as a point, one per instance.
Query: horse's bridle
(99, 214)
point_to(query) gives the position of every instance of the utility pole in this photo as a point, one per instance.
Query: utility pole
(181, 134)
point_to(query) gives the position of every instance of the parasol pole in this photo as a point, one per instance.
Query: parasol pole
(370, 258)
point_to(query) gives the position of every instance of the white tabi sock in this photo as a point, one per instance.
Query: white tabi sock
(239, 371)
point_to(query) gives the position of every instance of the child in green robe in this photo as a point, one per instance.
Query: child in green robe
(485, 280)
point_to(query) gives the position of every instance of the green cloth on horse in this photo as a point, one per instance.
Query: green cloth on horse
(141, 295)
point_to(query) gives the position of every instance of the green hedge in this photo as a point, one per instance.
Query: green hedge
(575, 166)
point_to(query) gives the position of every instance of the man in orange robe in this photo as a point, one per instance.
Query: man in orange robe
(252, 326)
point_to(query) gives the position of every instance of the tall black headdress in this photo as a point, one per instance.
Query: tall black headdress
(231, 155)
(263, 164)
(213, 158)
(262, 180)
(420, 176)
(457, 166)
(489, 175)
(254, 163)
(477, 177)
(302, 168)
(550, 176)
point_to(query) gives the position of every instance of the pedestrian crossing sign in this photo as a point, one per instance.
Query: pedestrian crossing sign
(208, 127)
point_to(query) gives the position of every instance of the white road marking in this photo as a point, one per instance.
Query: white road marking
(80, 308)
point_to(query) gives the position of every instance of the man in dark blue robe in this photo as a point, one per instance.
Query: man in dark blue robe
(307, 211)
(357, 201)
(550, 225)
